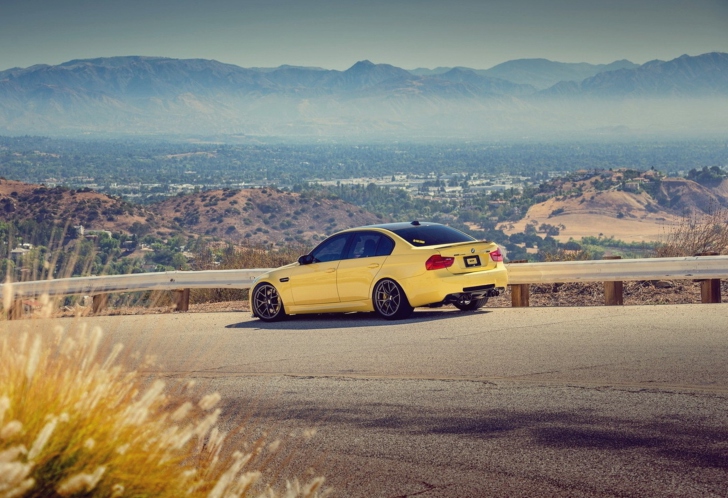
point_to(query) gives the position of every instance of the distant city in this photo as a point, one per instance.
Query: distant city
(430, 186)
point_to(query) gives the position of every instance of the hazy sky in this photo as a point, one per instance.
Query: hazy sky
(334, 34)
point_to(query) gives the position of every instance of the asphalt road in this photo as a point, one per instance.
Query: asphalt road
(603, 401)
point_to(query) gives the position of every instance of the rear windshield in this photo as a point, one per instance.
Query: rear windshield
(432, 235)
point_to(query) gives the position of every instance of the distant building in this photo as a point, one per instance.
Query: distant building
(97, 233)
(633, 185)
(19, 252)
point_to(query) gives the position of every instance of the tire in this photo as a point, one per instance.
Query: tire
(267, 303)
(390, 301)
(470, 304)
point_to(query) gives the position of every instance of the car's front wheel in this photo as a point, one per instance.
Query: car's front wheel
(267, 303)
(390, 301)
(470, 304)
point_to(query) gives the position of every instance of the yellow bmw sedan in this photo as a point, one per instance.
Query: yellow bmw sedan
(390, 269)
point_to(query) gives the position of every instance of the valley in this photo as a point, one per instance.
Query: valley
(595, 211)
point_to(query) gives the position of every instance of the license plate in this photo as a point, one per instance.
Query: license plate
(471, 261)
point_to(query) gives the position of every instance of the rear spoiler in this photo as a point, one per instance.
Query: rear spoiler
(456, 244)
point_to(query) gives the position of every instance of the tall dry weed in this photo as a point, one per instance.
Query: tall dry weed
(696, 233)
(230, 257)
(74, 423)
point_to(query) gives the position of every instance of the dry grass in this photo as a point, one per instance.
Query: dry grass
(236, 257)
(210, 257)
(598, 214)
(697, 234)
(76, 423)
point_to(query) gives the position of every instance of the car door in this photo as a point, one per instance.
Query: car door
(365, 257)
(315, 283)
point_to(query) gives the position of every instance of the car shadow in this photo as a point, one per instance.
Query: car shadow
(675, 439)
(341, 320)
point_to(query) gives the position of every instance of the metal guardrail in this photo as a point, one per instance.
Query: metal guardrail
(708, 268)
(170, 280)
(695, 267)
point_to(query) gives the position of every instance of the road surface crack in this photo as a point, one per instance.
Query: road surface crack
(428, 487)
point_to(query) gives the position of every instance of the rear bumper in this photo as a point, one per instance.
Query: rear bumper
(440, 285)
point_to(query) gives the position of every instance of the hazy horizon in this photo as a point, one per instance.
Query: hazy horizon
(335, 34)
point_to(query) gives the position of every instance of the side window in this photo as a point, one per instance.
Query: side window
(364, 245)
(385, 247)
(331, 249)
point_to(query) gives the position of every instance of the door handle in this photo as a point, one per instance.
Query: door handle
(330, 270)
(374, 265)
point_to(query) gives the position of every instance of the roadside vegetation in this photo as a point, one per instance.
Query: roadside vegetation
(230, 257)
(697, 233)
(78, 419)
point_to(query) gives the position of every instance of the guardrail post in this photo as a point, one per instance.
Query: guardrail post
(520, 293)
(613, 291)
(710, 291)
(16, 310)
(99, 302)
(709, 288)
(182, 299)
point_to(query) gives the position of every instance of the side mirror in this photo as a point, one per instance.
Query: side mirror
(306, 259)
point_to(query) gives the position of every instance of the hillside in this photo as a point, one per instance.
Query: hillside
(625, 204)
(261, 215)
(688, 196)
(22, 201)
(252, 215)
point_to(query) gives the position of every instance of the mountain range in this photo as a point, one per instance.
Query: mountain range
(539, 73)
(531, 97)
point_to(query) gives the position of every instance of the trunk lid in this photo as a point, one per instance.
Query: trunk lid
(469, 256)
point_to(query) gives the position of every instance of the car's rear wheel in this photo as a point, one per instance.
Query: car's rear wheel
(267, 303)
(470, 304)
(390, 301)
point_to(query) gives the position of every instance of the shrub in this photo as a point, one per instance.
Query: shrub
(75, 424)
(696, 234)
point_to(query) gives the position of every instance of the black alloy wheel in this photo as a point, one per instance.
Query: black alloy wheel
(389, 300)
(267, 304)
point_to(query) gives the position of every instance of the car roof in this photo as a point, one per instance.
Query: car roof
(398, 226)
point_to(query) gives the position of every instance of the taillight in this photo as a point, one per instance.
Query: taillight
(437, 262)
(496, 256)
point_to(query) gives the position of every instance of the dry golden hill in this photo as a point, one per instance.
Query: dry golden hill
(625, 204)
(686, 196)
(620, 214)
(722, 189)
